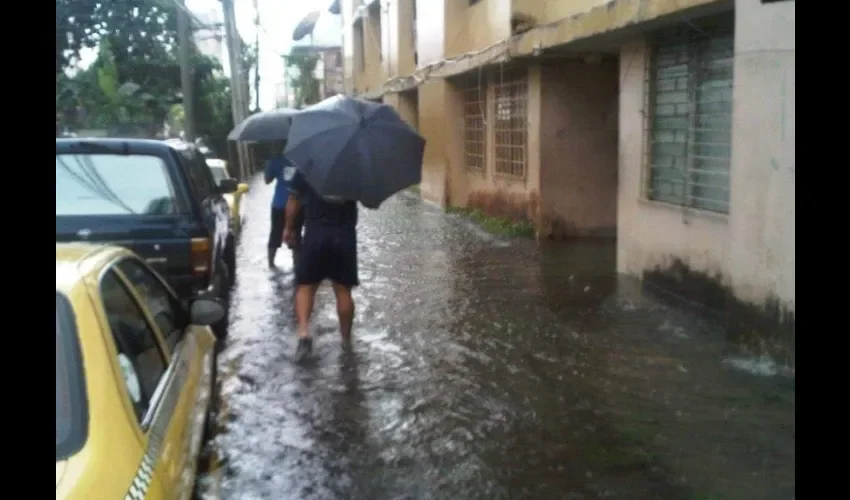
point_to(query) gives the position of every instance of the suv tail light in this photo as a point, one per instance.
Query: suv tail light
(201, 255)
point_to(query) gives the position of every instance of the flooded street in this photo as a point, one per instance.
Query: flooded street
(488, 368)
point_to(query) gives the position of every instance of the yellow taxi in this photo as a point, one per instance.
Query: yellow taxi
(135, 375)
(219, 171)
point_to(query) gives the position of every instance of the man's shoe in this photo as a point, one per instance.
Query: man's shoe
(271, 255)
(305, 348)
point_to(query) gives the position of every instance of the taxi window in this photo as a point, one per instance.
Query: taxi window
(71, 408)
(140, 358)
(168, 314)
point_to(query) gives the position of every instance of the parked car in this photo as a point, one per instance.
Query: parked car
(135, 377)
(218, 167)
(156, 198)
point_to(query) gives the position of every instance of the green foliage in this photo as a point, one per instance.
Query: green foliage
(137, 28)
(496, 225)
(135, 80)
(304, 82)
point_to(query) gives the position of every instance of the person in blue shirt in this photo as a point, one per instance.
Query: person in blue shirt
(280, 169)
(328, 251)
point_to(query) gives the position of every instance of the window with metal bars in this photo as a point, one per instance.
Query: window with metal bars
(511, 121)
(474, 128)
(690, 121)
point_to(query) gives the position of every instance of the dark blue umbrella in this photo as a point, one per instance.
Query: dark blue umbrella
(355, 149)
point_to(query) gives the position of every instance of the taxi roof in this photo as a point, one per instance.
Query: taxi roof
(75, 261)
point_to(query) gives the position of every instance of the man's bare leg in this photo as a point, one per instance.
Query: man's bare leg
(305, 295)
(344, 309)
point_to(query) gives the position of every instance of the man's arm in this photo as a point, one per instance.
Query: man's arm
(293, 205)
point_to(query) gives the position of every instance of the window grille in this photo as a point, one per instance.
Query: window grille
(511, 121)
(690, 122)
(474, 127)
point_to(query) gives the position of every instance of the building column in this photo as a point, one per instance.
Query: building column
(441, 124)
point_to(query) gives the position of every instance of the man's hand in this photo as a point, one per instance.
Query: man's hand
(289, 237)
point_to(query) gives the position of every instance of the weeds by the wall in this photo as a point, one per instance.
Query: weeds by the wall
(496, 225)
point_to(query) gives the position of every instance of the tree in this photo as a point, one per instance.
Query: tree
(135, 79)
(304, 82)
(75, 29)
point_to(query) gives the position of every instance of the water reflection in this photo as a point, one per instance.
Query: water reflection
(488, 368)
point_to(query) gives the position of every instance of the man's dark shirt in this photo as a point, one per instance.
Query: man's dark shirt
(325, 211)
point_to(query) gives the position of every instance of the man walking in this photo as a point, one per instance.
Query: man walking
(279, 168)
(328, 251)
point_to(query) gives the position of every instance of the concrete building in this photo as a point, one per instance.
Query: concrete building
(666, 123)
(328, 67)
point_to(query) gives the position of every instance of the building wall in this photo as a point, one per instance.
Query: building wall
(407, 105)
(433, 97)
(348, 44)
(374, 74)
(762, 228)
(578, 178)
(543, 11)
(397, 24)
(474, 27)
(749, 253)
(430, 31)
(652, 235)
(499, 194)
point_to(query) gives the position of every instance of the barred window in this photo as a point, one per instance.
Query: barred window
(474, 128)
(690, 124)
(511, 121)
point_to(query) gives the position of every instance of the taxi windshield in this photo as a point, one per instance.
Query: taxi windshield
(71, 412)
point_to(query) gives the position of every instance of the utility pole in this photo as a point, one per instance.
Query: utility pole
(237, 88)
(184, 28)
(256, 55)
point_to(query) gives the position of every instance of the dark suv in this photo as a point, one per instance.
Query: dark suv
(156, 198)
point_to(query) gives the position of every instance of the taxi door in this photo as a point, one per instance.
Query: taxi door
(176, 427)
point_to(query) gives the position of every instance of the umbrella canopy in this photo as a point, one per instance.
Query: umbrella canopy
(264, 126)
(355, 149)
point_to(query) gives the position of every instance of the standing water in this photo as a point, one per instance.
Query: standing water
(487, 368)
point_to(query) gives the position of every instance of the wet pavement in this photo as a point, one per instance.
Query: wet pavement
(488, 368)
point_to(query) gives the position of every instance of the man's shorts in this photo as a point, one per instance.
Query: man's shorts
(327, 252)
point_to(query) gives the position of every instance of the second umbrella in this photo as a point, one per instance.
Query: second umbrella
(264, 126)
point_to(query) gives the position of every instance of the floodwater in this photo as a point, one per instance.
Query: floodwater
(488, 368)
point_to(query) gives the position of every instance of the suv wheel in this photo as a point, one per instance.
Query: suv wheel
(222, 279)
(230, 261)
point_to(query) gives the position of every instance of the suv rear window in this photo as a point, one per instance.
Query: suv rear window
(113, 184)
(71, 409)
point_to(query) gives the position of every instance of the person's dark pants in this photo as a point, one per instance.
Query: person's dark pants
(328, 251)
(278, 223)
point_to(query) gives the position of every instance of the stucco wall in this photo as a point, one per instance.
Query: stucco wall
(578, 167)
(762, 226)
(750, 252)
(498, 194)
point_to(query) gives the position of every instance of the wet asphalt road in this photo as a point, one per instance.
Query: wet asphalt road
(486, 368)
